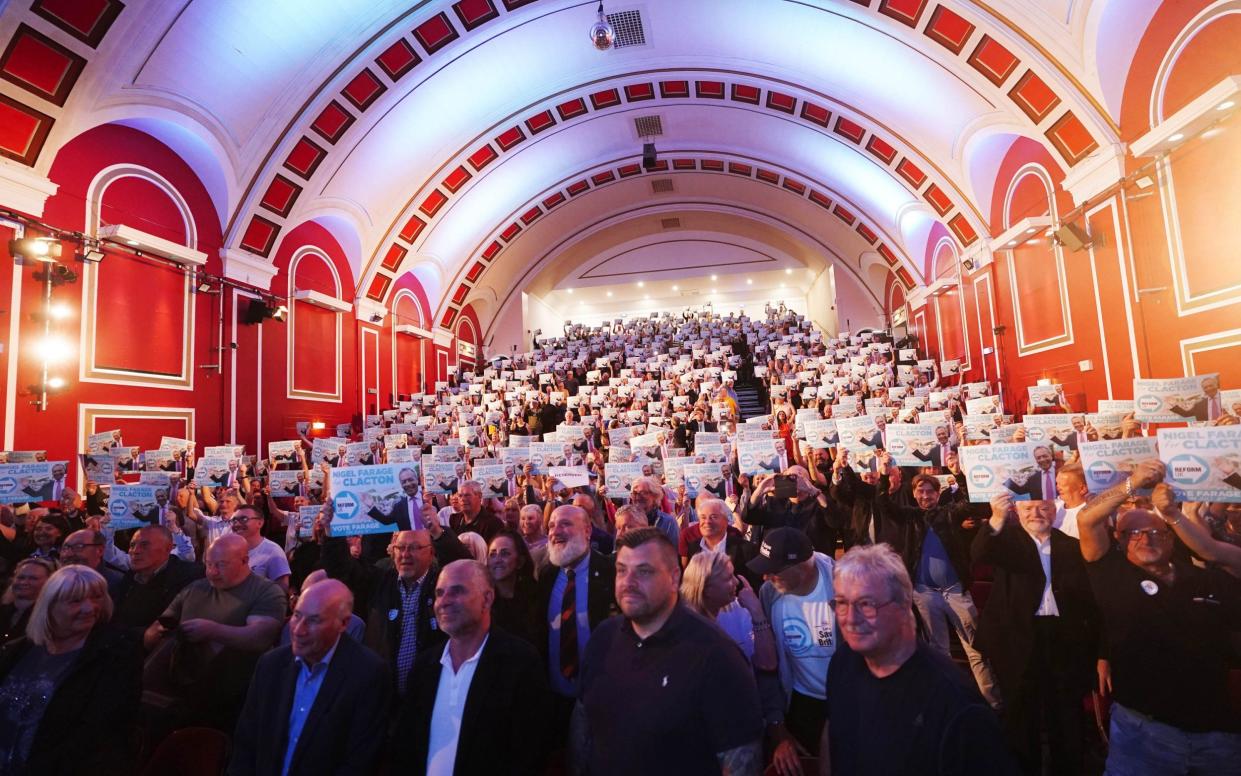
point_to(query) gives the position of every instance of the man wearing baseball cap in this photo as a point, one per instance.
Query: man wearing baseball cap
(796, 595)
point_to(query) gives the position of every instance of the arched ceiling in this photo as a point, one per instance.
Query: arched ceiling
(423, 134)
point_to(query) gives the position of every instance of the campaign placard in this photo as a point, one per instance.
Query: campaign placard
(1045, 396)
(360, 494)
(1108, 462)
(983, 405)
(978, 427)
(103, 441)
(619, 478)
(132, 506)
(358, 454)
(1059, 431)
(544, 455)
(859, 433)
(1204, 463)
(1172, 401)
(442, 476)
(306, 517)
(822, 434)
(494, 479)
(124, 459)
(762, 456)
(30, 481)
(910, 444)
(284, 452)
(216, 472)
(98, 468)
(707, 477)
(1229, 402)
(1108, 425)
(674, 471)
(284, 482)
(399, 455)
(993, 470)
(570, 476)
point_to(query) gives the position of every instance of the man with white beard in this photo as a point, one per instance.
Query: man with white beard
(575, 599)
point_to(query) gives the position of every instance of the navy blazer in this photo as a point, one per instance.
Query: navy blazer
(343, 733)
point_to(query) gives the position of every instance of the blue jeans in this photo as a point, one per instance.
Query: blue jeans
(1140, 746)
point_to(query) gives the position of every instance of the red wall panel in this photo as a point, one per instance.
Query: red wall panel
(140, 315)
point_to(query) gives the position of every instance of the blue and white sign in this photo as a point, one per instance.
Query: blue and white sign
(1204, 463)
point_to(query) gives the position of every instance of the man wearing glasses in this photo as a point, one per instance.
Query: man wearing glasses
(266, 558)
(1167, 625)
(895, 705)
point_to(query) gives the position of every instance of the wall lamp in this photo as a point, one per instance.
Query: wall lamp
(35, 249)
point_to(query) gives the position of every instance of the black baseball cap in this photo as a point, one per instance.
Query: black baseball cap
(781, 548)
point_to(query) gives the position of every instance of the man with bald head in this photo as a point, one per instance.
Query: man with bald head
(576, 593)
(1167, 629)
(318, 704)
(397, 599)
(479, 705)
(154, 578)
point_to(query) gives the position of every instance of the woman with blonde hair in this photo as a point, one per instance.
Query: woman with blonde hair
(69, 690)
(710, 586)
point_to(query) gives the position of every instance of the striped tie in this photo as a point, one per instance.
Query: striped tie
(568, 627)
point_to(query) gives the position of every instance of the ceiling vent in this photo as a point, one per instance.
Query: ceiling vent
(662, 186)
(628, 28)
(648, 126)
(670, 223)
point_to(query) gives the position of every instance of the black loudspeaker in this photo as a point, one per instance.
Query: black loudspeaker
(648, 156)
(255, 311)
(1072, 237)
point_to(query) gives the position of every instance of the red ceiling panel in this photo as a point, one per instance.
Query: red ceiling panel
(737, 168)
(851, 130)
(364, 89)
(509, 138)
(904, 11)
(492, 250)
(910, 172)
(553, 201)
(432, 204)
(993, 60)
(820, 199)
(379, 287)
(1071, 138)
(880, 149)
(461, 293)
(960, 226)
(540, 121)
(456, 179)
(709, 89)
(472, 13)
(281, 195)
(476, 271)
(938, 199)
(413, 227)
(23, 131)
(867, 233)
(449, 316)
(510, 231)
(816, 113)
(577, 188)
(436, 33)
(40, 65)
(639, 92)
(713, 165)
(888, 255)
(571, 109)
(513, 5)
(796, 187)
(785, 103)
(629, 170)
(605, 99)
(86, 20)
(531, 215)
(305, 157)
(672, 89)
(600, 178)
(393, 258)
(684, 164)
(948, 29)
(398, 59)
(482, 157)
(332, 122)
(260, 236)
(905, 279)
(767, 176)
(844, 214)
(746, 93)
(1034, 97)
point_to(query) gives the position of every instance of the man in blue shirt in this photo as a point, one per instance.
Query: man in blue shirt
(317, 705)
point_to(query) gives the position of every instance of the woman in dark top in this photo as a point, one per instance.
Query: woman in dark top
(516, 607)
(29, 578)
(69, 690)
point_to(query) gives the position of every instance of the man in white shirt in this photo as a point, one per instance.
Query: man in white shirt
(267, 559)
(1071, 485)
(480, 704)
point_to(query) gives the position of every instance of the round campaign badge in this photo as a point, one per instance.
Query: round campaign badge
(392, 614)
(1149, 587)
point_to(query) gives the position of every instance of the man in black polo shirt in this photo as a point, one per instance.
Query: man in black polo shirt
(1167, 634)
(662, 689)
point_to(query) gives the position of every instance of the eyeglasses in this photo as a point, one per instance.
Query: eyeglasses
(241, 520)
(1151, 534)
(79, 547)
(410, 547)
(865, 607)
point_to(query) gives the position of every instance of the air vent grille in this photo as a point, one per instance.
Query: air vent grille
(628, 28)
(670, 223)
(661, 186)
(648, 126)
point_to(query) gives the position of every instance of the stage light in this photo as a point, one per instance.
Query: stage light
(53, 349)
(55, 382)
(35, 248)
(318, 425)
(281, 313)
(609, 294)
(59, 311)
(715, 277)
(601, 33)
(641, 284)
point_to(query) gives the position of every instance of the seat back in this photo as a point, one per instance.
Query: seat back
(194, 751)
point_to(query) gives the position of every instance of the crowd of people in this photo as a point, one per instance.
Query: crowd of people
(657, 597)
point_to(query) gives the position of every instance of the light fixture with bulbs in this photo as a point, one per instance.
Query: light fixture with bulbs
(35, 249)
(601, 33)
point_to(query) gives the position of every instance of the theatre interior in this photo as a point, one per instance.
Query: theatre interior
(239, 222)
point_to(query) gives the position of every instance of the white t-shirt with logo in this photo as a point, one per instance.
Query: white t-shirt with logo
(269, 561)
(808, 638)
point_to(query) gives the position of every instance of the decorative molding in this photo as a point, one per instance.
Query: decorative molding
(1211, 106)
(413, 331)
(149, 243)
(442, 338)
(320, 299)
(249, 268)
(1093, 175)
(1020, 232)
(24, 190)
(366, 309)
